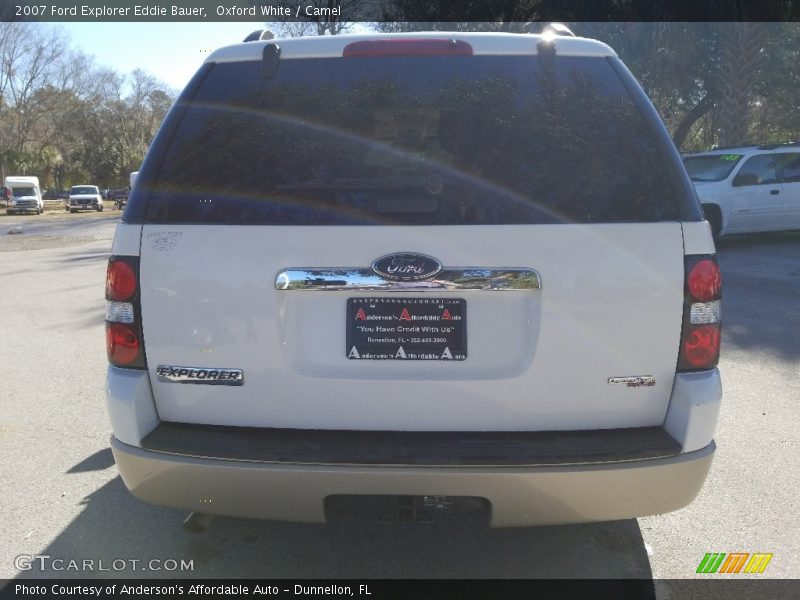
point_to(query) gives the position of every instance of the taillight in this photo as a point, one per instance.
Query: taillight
(122, 344)
(120, 281)
(702, 314)
(704, 282)
(123, 313)
(408, 47)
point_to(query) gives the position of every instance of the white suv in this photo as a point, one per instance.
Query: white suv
(748, 189)
(446, 270)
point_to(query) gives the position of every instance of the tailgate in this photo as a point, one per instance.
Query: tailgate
(609, 306)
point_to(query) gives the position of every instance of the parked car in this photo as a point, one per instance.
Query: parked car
(26, 195)
(85, 197)
(454, 271)
(747, 189)
(119, 196)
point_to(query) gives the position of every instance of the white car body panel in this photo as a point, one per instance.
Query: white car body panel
(694, 409)
(749, 209)
(791, 204)
(127, 239)
(755, 208)
(697, 238)
(610, 305)
(129, 400)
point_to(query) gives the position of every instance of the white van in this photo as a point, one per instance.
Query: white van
(85, 197)
(26, 195)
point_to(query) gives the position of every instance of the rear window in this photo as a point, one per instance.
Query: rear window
(433, 140)
(712, 167)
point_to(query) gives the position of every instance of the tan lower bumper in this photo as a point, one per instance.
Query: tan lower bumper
(518, 495)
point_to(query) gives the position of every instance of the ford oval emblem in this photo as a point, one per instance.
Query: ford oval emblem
(406, 266)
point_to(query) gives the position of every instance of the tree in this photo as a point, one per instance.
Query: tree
(112, 124)
(292, 29)
(711, 82)
(65, 120)
(29, 58)
(742, 57)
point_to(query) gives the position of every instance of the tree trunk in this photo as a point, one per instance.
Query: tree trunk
(742, 57)
(684, 127)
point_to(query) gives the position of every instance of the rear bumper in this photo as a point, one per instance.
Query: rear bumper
(518, 495)
(531, 479)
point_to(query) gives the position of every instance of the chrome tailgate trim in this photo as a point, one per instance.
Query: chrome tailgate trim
(449, 279)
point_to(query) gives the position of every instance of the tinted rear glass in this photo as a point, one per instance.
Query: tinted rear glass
(411, 140)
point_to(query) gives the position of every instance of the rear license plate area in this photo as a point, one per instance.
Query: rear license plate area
(464, 510)
(406, 329)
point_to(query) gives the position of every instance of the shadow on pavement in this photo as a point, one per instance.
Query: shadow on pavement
(777, 238)
(113, 525)
(99, 255)
(760, 287)
(98, 461)
(97, 319)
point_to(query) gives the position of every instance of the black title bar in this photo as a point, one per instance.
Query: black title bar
(386, 589)
(260, 11)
